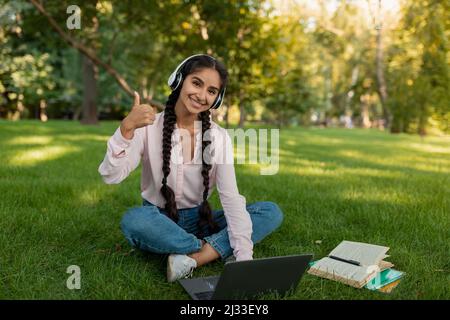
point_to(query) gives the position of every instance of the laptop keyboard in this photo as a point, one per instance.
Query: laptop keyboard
(207, 295)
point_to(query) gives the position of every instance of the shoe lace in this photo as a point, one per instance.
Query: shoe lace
(189, 272)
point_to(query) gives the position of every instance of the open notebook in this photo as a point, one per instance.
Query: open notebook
(352, 263)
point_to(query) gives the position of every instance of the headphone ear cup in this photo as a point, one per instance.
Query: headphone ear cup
(218, 102)
(171, 79)
(177, 81)
(214, 106)
(221, 97)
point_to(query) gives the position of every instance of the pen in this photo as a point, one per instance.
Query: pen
(356, 263)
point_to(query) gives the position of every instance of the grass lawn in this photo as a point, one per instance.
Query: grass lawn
(332, 184)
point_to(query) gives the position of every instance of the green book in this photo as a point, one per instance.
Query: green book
(384, 278)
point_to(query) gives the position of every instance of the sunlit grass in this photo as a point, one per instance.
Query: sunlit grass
(21, 140)
(34, 156)
(332, 184)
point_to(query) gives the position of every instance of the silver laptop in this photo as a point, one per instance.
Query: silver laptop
(250, 279)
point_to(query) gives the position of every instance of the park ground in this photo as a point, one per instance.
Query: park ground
(332, 185)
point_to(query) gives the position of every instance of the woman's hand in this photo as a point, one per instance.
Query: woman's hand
(141, 115)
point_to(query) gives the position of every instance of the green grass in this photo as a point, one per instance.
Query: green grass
(332, 184)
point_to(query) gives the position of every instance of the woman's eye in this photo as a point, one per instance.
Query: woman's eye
(212, 92)
(196, 84)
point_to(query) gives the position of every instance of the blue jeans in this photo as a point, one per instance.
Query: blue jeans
(149, 228)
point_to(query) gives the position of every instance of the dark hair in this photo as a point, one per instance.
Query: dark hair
(205, 211)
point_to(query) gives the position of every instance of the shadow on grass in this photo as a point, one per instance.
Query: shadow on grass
(62, 204)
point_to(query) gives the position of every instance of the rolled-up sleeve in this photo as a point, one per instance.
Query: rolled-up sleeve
(122, 156)
(239, 224)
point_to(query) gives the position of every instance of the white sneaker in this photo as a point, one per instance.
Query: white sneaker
(180, 266)
(230, 259)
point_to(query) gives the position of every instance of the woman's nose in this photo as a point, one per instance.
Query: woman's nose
(201, 96)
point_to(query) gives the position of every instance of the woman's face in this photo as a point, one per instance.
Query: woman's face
(200, 90)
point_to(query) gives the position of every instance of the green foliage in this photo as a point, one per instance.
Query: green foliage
(289, 62)
(419, 69)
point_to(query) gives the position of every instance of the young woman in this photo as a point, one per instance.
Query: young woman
(184, 156)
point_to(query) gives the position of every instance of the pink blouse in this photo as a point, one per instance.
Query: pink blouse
(185, 179)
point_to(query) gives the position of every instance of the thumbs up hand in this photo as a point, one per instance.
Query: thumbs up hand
(137, 99)
(141, 115)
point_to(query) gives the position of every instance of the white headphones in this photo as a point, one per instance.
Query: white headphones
(176, 78)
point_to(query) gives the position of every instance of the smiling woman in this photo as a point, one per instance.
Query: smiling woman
(176, 217)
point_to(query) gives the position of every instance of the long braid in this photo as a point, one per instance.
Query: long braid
(170, 119)
(205, 211)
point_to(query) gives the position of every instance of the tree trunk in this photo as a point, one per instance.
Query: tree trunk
(227, 114)
(20, 109)
(365, 119)
(89, 92)
(241, 116)
(241, 110)
(351, 92)
(382, 88)
(423, 119)
(42, 110)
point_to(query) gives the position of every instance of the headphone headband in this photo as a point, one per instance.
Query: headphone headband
(176, 78)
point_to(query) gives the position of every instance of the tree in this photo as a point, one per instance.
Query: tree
(90, 58)
(419, 69)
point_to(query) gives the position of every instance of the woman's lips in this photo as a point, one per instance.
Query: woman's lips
(196, 104)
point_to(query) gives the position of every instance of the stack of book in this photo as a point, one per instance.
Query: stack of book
(359, 265)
